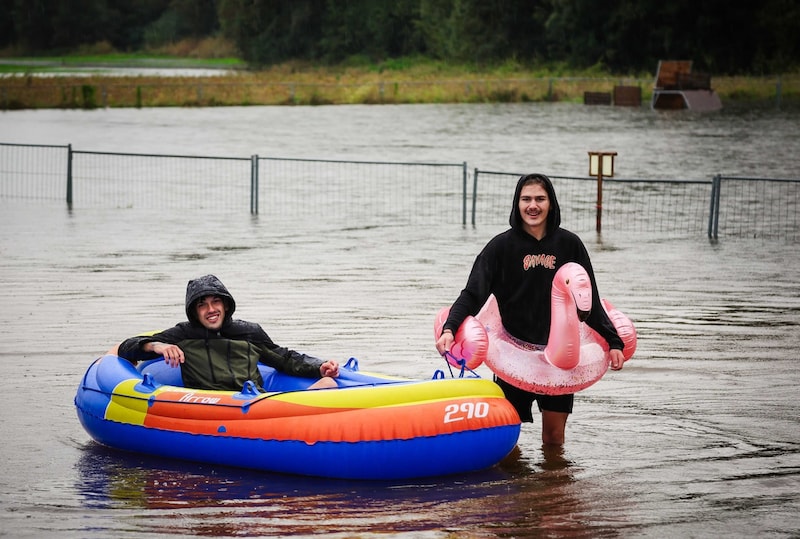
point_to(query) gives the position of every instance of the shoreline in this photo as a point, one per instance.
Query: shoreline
(168, 82)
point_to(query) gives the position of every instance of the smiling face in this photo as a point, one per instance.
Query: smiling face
(534, 205)
(210, 312)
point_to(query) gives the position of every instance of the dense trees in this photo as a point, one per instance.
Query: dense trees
(621, 35)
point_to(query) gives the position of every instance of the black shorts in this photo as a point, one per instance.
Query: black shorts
(523, 401)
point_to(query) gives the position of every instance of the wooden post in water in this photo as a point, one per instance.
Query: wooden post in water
(601, 164)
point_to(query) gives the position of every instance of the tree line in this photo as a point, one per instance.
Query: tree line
(620, 36)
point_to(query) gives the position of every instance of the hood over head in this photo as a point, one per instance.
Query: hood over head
(207, 285)
(553, 216)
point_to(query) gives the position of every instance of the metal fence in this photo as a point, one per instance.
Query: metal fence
(361, 192)
(376, 193)
(754, 207)
(667, 206)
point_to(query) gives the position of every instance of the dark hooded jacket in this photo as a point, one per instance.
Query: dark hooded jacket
(223, 359)
(519, 269)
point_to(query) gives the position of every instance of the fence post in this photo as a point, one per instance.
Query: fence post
(717, 199)
(474, 194)
(713, 209)
(599, 207)
(69, 175)
(254, 184)
(464, 174)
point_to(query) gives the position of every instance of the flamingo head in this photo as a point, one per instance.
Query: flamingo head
(574, 279)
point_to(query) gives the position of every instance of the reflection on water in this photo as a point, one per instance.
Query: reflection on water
(225, 501)
(264, 503)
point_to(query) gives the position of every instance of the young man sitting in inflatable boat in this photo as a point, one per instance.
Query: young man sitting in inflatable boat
(214, 351)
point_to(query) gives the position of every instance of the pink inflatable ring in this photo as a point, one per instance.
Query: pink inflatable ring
(575, 357)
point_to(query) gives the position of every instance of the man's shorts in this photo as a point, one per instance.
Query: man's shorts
(523, 401)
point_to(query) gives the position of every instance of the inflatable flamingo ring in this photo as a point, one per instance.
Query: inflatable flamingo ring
(575, 357)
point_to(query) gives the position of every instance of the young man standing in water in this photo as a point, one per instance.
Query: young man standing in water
(214, 351)
(523, 292)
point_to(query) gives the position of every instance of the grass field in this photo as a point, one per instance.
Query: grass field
(89, 81)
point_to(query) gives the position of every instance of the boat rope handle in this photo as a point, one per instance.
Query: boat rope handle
(352, 364)
(460, 361)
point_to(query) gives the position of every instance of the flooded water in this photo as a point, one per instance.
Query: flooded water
(698, 436)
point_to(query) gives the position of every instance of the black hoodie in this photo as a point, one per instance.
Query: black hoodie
(519, 269)
(223, 359)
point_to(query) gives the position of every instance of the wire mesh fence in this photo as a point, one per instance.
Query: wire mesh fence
(379, 193)
(755, 207)
(33, 171)
(359, 191)
(674, 207)
(159, 181)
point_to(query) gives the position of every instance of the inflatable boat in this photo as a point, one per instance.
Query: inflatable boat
(371, 427)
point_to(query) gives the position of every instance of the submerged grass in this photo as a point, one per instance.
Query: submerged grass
(357, 81)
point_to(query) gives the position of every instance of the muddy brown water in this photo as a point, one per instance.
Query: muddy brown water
(697, 436)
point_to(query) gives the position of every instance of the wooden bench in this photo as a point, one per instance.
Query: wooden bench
(678, 75)
(627, 96)
(678, 87)
(596, 98)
